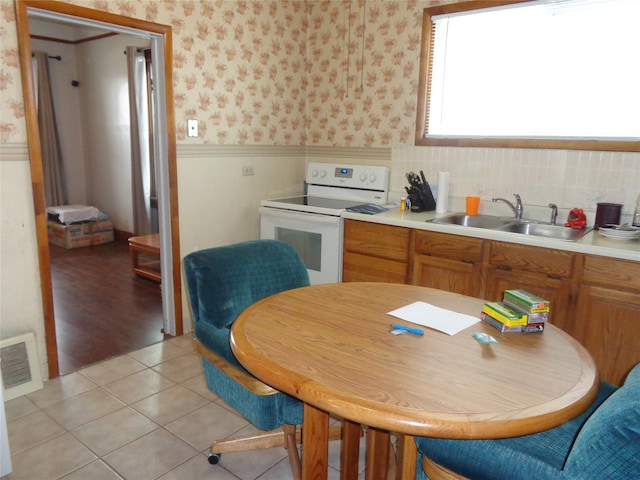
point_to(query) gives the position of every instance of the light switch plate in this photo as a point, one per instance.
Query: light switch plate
(192, 128)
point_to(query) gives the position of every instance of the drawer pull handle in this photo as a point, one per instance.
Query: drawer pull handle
(505, 267)
(468, 261)
(557, 277)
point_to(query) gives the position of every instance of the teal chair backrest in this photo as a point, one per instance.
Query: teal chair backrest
(602, 443)
(608, 445)
(224, 281)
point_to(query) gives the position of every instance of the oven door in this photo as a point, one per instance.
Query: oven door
(317, 239)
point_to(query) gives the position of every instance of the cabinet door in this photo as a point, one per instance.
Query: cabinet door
(607, 323)
(448, 262)
(607, 320)
(557, 291)
(375, 253)
(451, 275)
(544, 272)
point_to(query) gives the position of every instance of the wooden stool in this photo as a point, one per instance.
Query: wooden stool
(148, 245)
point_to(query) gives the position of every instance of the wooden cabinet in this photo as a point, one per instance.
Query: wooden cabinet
(607, 320)
(375, 253)
(448, 262)
(594, 299)
(541, 271)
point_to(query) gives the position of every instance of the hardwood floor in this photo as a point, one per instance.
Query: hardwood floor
(102, 309)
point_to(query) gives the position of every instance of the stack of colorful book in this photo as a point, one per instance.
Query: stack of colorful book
(519, 311)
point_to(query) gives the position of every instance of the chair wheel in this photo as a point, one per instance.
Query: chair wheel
(214, 458)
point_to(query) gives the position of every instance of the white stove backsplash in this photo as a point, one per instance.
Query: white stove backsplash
(568, 178)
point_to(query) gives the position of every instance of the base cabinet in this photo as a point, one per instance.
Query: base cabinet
(554, 290)
(594, 299)
(375, 253)
(543, 272)
(448, 262)
(607, 319)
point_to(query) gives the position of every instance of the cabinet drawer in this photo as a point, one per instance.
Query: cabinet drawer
(364, 268)
(383, 241)
(453, 247)
(511, 256)
(609, 272)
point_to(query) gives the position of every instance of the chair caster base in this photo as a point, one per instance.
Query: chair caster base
(214, 458)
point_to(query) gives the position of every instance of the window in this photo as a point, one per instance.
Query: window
(539, 74)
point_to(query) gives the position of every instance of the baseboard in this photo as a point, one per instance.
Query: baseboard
(121, 235)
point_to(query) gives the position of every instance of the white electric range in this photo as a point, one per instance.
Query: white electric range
(313, 224)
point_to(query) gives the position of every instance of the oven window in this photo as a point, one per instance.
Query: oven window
(307, 244)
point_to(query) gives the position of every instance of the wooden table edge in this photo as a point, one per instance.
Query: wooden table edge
(576, 401)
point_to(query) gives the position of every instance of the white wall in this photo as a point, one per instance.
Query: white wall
(93, 122)
(219, 206)
(20, 298)
(102, 72)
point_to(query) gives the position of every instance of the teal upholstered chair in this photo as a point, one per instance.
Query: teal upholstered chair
(222, 282)
(602, 443)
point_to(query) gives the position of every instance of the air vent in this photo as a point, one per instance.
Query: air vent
(20, 366)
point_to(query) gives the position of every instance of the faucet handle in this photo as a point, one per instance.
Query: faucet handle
(519, 207)
(554, 213)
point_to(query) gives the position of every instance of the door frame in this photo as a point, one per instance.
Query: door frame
(164, 147)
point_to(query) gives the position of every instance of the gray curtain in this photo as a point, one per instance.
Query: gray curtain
(140, 158)
(52, 163)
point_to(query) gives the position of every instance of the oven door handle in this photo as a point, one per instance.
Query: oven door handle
(293, 215)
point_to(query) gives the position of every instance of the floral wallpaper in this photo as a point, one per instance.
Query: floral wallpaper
(271, 72)
(363, 72)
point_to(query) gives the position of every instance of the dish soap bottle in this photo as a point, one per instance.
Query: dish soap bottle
(636, 214)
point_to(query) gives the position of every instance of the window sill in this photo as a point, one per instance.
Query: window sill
(539, 143)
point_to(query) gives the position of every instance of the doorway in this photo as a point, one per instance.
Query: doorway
(163, 146)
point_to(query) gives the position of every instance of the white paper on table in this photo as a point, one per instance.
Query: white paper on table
(434, 317)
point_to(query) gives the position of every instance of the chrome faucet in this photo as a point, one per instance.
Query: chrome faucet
(554, 213)
(517, 209)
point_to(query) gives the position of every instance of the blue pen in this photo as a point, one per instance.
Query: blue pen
(415, 331)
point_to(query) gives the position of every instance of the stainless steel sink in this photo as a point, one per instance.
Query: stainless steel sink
(476, 221)
(546, 230)
(503, 224)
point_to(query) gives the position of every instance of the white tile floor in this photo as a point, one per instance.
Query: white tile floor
(142, 416)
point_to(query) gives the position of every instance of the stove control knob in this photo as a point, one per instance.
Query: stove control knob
(314, 172)
(372, 177)
(323, 173)
(363, 177)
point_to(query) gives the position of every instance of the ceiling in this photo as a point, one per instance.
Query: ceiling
(63, 31)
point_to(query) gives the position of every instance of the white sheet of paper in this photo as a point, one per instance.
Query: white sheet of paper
(434, 317)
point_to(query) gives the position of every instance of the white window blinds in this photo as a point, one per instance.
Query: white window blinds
(555, 69)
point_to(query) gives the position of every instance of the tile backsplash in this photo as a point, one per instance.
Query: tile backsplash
(568, 178)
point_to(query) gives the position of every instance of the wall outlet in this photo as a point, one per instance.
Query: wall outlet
(248, 170)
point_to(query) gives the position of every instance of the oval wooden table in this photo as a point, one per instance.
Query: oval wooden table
(330, 346)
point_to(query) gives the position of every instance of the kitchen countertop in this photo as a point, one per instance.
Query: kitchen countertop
(592, 243)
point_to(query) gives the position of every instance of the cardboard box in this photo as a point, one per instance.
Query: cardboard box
(501, 327)
(525, 301)
(498, 325)
(78, 235)
(505, 314)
